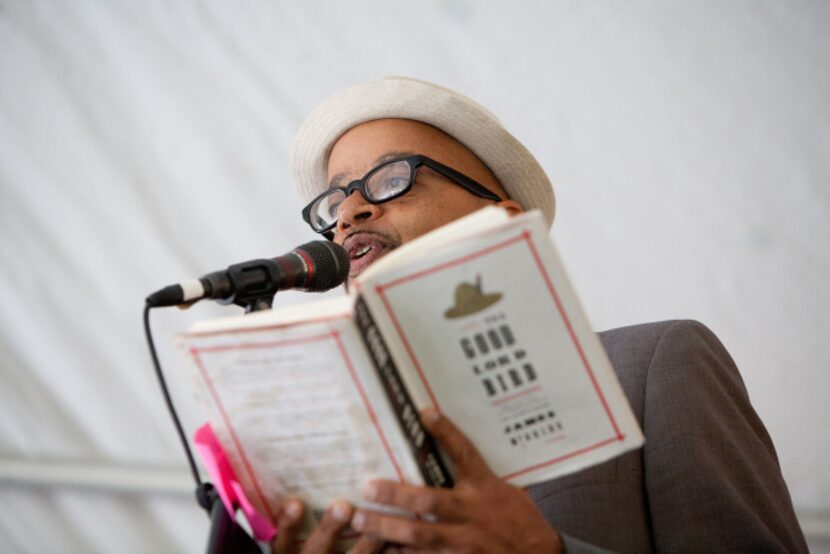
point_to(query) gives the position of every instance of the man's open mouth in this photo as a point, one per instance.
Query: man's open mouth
(363, 249)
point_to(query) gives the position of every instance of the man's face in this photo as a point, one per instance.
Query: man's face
(368, 231)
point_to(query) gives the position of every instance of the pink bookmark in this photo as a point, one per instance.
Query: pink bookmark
(227, 485)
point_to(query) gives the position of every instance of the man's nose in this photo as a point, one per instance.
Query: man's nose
(356, 209)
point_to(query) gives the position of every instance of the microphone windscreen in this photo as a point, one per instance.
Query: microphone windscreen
(330, 264)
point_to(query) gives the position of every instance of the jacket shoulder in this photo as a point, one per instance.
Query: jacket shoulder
(631, 350)
(641, 340)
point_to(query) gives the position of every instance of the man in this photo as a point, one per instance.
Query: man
(707, 478)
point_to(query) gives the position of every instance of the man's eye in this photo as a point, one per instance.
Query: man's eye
(398, 182)
(326, 209)
(395, 183)
(332, 209)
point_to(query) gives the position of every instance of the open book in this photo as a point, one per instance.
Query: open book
(476, 319)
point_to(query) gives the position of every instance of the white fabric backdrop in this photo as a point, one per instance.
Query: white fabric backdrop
(141, 143)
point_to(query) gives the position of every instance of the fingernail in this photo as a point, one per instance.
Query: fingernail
(341, 510)
(358, 521)
(294, 509)
(370, 491)
(430, 415)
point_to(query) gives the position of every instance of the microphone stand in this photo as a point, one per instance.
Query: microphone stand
(226, 535)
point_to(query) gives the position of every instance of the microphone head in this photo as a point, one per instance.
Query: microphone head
(329, 265)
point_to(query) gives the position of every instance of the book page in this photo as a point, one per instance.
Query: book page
(297, 411)
(488, 330)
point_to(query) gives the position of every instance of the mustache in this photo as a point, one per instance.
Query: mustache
(388, 240)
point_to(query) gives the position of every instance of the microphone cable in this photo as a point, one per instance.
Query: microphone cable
(203, 490)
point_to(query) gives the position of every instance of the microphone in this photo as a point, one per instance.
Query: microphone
(314, 267)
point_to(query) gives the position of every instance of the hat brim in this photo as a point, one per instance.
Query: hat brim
(404, 98)
(481, 303)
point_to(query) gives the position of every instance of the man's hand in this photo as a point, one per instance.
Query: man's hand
(481, 514)
(324, 537)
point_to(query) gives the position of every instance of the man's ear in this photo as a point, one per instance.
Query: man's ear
(512, 207)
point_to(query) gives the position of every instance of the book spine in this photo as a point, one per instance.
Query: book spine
(422, 444)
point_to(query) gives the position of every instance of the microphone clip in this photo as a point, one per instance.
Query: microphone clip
(251, 285)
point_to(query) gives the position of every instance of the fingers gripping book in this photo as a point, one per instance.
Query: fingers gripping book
(476, 319)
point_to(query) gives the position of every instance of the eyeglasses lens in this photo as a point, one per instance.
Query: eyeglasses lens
(389, 181)
(324, 211)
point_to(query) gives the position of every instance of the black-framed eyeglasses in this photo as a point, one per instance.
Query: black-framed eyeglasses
(385, 182)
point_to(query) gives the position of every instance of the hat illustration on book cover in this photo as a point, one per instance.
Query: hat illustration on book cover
(469, 299)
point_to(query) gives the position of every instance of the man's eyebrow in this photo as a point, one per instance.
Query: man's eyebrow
(336, 180)
(391, 156)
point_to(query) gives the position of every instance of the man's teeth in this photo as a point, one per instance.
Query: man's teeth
(362, 252)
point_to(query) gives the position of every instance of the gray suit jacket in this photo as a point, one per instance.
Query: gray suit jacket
(707, 478)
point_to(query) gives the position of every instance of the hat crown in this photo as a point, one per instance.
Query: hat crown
(467, 293)
(470, 299)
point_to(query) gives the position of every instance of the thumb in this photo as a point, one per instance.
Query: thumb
(468, 461)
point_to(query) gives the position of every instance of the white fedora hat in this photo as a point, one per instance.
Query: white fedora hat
(404, 98)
